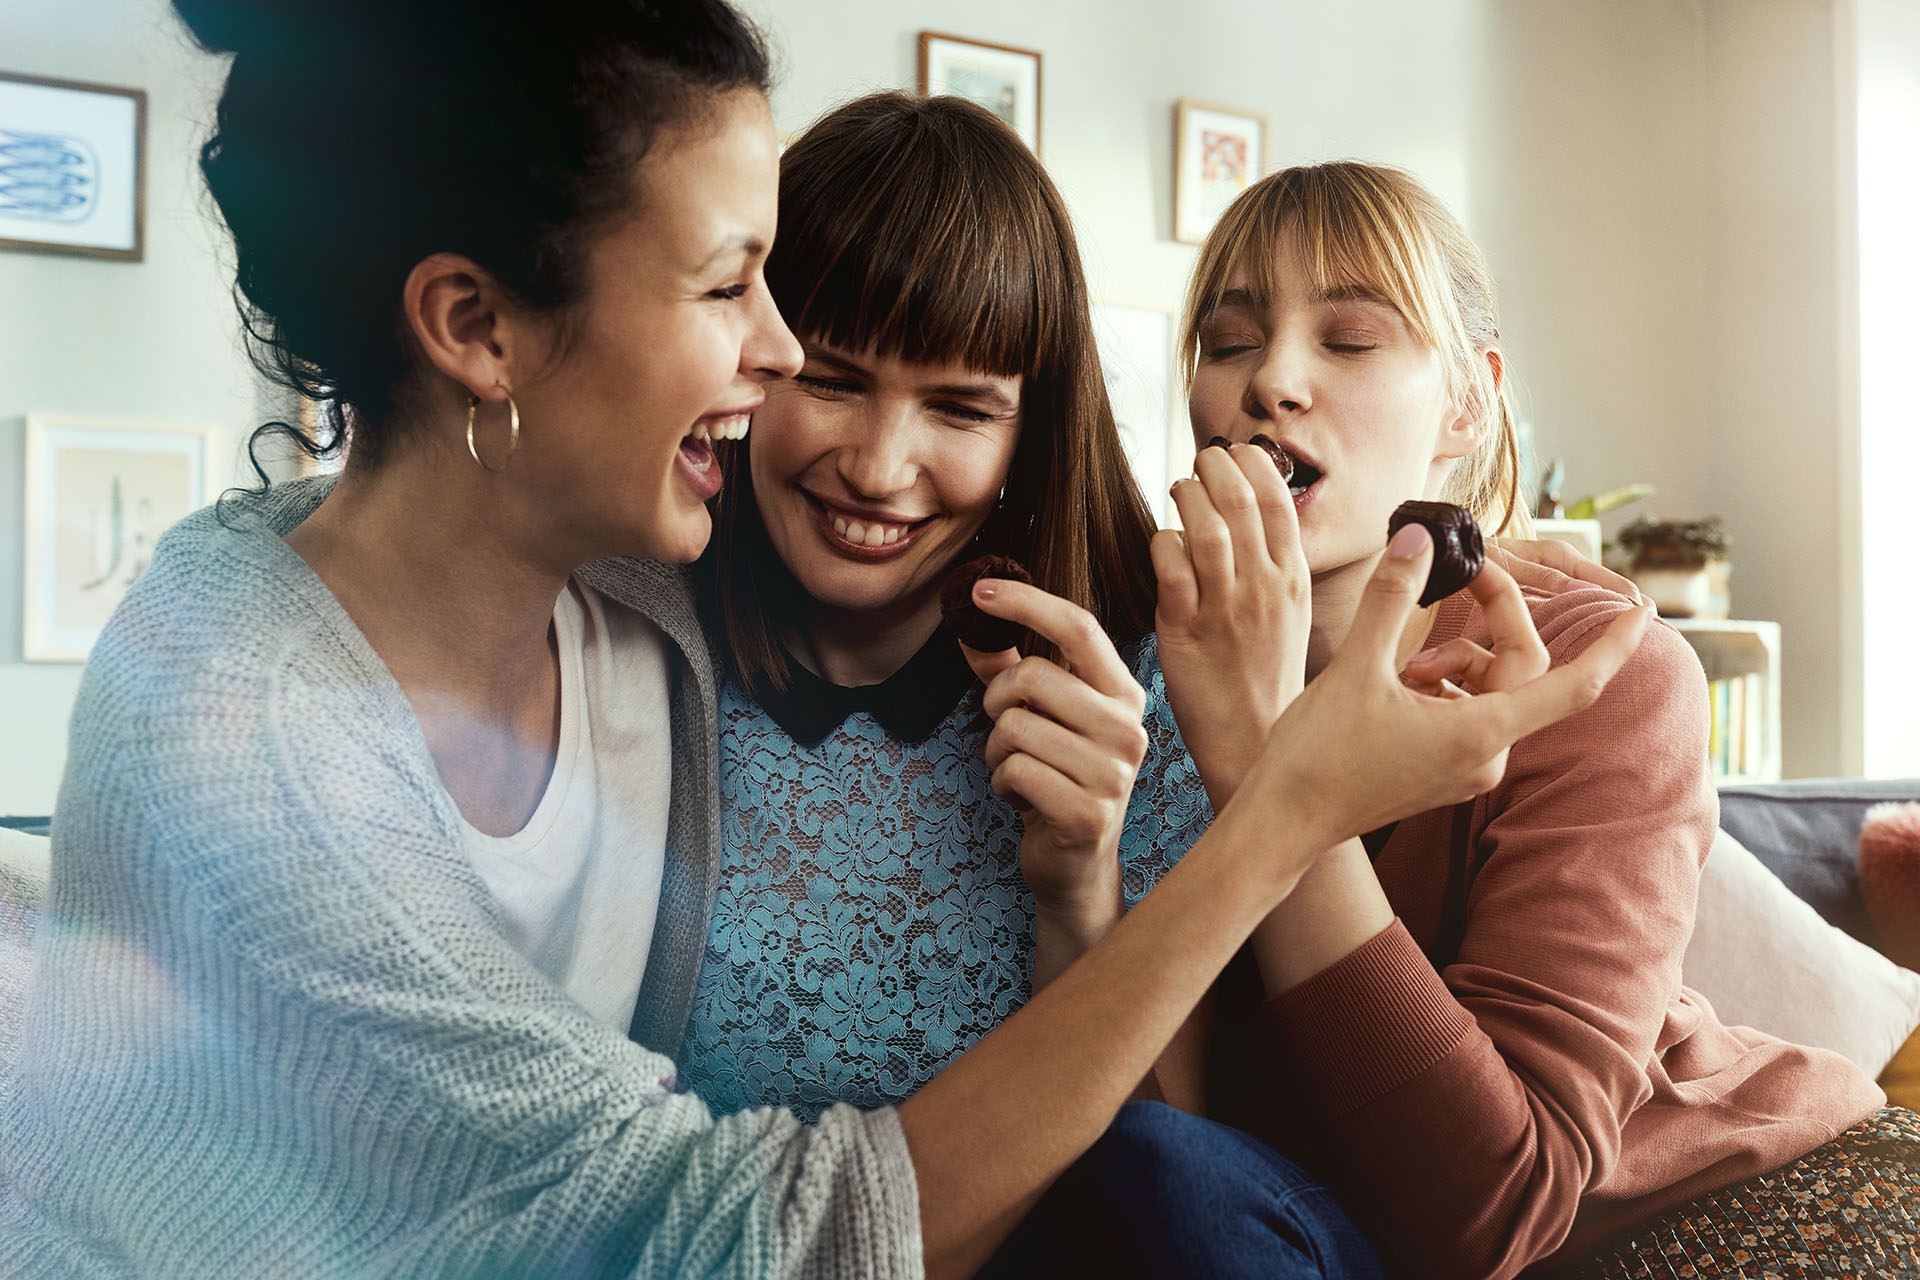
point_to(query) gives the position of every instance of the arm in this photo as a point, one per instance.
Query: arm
(1478, 1104)
(1001, 1122)
(1066, 749)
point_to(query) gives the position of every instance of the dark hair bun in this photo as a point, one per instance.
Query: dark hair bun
(355, 137)
(245, 26)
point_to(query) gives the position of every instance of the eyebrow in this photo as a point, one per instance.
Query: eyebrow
(1239, 299)
(745, 242)
(986, 392)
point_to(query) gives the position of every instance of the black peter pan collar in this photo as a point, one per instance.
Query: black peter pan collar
(909, 704)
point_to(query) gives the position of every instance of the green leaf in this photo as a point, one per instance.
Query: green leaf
(1600, 504)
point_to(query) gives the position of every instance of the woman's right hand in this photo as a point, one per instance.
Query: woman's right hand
(1359, 748)
(1234, 608)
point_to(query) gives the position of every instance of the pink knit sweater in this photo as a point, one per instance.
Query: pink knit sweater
(1512, 1070)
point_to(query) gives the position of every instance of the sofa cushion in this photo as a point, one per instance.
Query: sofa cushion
(1765, 959)
(1807, 833)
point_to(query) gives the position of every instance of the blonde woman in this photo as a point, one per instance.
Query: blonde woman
(1474, 1015)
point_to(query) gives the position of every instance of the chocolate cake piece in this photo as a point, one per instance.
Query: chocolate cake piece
(1279, 455)
(1458, 551)
(975, 628)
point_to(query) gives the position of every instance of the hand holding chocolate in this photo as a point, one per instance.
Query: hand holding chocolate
(1457, 550)
(975, 628)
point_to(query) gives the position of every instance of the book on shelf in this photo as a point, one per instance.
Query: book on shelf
(1735, 726)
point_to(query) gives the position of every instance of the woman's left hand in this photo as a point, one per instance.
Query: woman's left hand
(1552, 565)
(1065, 747)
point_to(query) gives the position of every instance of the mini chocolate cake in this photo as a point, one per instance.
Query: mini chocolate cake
(976, 629)
(1274, 451)
(1457, 550)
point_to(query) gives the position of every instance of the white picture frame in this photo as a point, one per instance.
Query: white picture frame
(1136, 362)
(1000, 77)
(74, 176)
(99, 492)
(1218, 152)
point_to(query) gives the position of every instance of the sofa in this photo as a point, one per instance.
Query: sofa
(1783, 940)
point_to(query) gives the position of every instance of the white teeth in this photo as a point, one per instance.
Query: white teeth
(863, 534)
(729, 428)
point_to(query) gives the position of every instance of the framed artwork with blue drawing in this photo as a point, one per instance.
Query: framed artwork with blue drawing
(72, 168)
(100, 492)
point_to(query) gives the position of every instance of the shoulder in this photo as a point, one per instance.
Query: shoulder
(226, 656)
(1569, 621)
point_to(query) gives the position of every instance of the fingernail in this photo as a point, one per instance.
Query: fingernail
(986, 589)
(1408, 542)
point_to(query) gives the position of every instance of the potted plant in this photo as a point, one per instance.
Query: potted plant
(1673, 562)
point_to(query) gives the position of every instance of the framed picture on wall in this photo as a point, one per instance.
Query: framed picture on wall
(1218, 152)
(72, 168)
(99, 494)
(1136, 362)
(999, 77)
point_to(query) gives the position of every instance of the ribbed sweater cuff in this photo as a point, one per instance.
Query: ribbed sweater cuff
(1371, 1022)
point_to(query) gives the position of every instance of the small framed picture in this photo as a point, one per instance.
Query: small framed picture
(1218, 152)
(1136, 362)
(100, 492)
(999, 77)
(72, 168)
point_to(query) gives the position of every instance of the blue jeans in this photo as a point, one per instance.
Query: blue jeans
(1164, 1194)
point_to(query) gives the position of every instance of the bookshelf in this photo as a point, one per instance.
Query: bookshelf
(1742, 662)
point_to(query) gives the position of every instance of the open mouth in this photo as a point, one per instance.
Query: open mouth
(1303, 477)
(734, 427)
(866, 534)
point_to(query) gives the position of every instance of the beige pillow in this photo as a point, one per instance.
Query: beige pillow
(1766, 959)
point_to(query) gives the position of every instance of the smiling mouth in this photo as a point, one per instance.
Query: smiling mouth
(864, 533)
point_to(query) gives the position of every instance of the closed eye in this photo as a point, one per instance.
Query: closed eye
(730, 293)
(825, 386)
(965, 413)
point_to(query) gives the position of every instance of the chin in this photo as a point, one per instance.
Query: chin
(681, 543)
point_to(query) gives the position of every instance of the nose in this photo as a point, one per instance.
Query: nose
(877, 461)
(1279, 387)
(771, 352)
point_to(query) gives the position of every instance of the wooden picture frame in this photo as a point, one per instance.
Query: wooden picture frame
(1218, 152)
(99, 493)
(74, 180)
(1000, 77)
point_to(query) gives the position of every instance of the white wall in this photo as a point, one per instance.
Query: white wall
(153, 339)
(1886, 45)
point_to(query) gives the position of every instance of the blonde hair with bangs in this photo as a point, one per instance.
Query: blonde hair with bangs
(1379, 228)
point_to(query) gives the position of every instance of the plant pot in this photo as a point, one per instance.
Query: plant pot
(1677, 593)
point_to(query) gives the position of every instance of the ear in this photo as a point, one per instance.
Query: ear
(1473, 418)
(462, 321)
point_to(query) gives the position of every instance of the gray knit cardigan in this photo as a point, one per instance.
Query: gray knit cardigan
(276, 1029)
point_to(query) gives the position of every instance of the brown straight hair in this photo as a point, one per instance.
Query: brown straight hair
(925, 230)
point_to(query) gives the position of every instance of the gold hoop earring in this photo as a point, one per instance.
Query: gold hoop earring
(513, 432)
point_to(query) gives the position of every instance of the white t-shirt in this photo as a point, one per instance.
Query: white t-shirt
(579, 885)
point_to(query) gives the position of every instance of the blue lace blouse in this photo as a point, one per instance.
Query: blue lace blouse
(871, 922)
